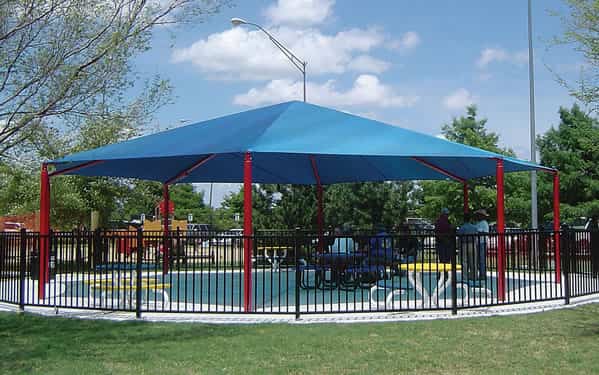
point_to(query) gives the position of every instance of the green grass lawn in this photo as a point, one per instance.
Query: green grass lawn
(565, 341)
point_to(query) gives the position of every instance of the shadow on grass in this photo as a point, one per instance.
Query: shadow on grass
(585, 322)
(28, 339)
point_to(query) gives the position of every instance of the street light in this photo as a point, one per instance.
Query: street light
(296, 61)
(533, 151)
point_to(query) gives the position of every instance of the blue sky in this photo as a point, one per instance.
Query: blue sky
(415, 64)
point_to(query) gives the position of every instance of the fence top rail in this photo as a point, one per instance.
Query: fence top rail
(283, 234)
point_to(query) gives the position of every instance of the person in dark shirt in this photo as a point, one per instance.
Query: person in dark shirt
(444, 237)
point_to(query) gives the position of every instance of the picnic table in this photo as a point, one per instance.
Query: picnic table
(124, 282)
(415, 271)
(126, 289)
(273, 255)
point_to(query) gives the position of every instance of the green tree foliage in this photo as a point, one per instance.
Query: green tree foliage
(472, 131)
(188, 201)
(581, 31)
(572, 148)
(141, 198)
(18, 190)
(66, 85)
(263, 208)
(361, 205)
(64, 61)
(364, 205)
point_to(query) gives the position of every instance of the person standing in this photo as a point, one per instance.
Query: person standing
(467, 235)
(443, 237)
(483, 231)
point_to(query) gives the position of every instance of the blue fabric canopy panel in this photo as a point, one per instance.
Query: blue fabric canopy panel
(283, 140)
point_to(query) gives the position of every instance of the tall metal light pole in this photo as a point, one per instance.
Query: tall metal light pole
(296, 61)
(211, 210)
(533, 148)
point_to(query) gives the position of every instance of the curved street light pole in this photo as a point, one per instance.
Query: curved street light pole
(296, 61)
(533, 152)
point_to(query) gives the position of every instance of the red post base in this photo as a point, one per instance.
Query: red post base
(44, 245)
(500, 232)
(165, 242)
(247, 233)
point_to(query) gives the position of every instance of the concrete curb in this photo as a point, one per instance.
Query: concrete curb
(339, 318)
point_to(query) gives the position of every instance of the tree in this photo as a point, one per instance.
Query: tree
(581, 31)
(65, 78)
(70, 60)
(264, 202)
(361, 205)
(188, 201)
(470, 130)
(141, 198)
(296, 207)
(364, 205)
(573, 148)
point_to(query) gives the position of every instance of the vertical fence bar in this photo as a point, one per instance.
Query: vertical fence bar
(138, 284)
(22, 267)
(296, 251)
(567, 262)
(454, 281)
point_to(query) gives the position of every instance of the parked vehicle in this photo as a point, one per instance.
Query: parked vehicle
(202, 229)
(419, 224)
(11, 226)
(228, 237)
(198, 232)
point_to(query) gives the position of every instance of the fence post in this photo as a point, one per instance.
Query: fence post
(78, 254)
(179, 250)
(454, 281)
(567, 259)
(52, 261)
(22, 268)
(296, 250)
(140, 254)
(98, 251)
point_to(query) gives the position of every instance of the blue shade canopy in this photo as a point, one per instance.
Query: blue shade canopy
(283, 140)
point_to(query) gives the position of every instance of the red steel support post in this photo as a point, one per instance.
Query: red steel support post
(466, 204)
(319, 193)
(556, 227)
(320, 212)
(500, 233)
(247, 232)
(44, 258)
(165, 243)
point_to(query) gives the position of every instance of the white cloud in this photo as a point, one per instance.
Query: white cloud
(367, 90)
(459, 99)
(406, 42)
(300, 12)
(242, 53)
(368, 64)
(491, 55)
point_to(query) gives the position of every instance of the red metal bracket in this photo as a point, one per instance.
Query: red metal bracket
(440, 170)
(75, 168)
(188, 170)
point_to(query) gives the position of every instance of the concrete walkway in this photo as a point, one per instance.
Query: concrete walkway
(217, 318)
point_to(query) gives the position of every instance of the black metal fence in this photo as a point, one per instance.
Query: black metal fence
(297, 272)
